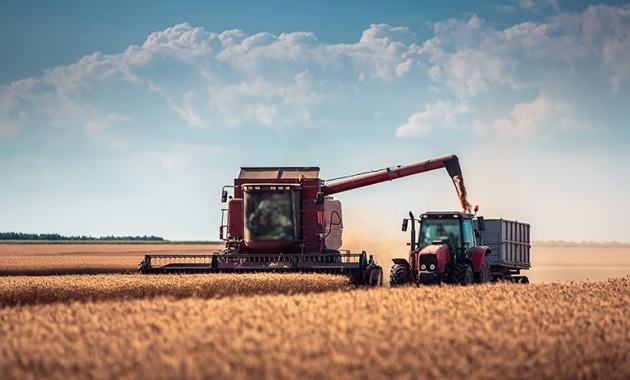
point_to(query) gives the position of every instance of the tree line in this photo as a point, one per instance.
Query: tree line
(57, 237)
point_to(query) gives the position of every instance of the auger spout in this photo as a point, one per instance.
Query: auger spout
(450, 162)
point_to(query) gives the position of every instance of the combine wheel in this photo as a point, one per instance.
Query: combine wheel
(375, 277)
(372, 273)
(331, 256)
(483, 275)
(463, 274)
(398, 275)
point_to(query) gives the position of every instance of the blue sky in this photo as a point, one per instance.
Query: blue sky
(127, 118)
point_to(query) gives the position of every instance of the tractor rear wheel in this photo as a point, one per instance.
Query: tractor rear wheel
(463, 274)
(483, 275)
(398, 275)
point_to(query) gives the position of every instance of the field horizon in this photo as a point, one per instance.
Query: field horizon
(551, 261)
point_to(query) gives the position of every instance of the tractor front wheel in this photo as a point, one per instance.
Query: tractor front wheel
(463, 274)
(398, 275)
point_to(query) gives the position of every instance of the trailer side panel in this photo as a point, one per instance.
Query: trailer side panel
(509, 242)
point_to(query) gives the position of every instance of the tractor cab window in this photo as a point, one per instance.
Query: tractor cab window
(467, 230)
(438, 231)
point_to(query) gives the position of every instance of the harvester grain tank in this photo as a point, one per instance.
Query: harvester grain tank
(462, 248)
(284, 219)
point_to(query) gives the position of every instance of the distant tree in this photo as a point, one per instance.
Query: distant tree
(57, 237)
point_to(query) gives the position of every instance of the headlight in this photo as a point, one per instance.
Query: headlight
(423, 267)
(432, 266)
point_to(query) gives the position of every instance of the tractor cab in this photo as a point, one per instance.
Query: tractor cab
(444, 248)
(454, 229)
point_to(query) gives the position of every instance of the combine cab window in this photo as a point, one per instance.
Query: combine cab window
(437, 231)
(269, 216)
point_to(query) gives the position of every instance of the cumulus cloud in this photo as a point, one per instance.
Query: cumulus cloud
(101, 124)
(525, 119)
(435, 115)
(232, 79)
(470, 62)
(213, 79)
(538, 5)
(470, 56)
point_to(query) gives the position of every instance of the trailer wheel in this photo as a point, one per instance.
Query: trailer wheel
(463, 274)
(483, 275)
(520, 280)
(398, 275)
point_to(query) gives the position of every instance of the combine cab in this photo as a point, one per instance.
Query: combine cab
(284, 219)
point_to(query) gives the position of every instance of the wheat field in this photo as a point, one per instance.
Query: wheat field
(507, 331)
(31, 290)
(278, 326)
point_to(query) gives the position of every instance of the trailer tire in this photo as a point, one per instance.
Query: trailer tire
(398, 275)
(463, 274)
(520, 280)
(484, 274)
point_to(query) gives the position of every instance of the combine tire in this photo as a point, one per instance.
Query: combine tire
(399, 275)
(463, 274)
(375, 277)
(331, 256)
(483, 275)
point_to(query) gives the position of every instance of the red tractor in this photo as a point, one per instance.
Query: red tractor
(462, 248)
(443, 250)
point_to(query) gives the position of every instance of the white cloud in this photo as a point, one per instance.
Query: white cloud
(174, 162)
(539, 5)
(489, 69)
(264, 114)
(186, 109)
(435, 115)
(404, 67)
(471, 72)
(101, 124)
(468, 57)
(597, 37)
(525, 119)
(232, 79)
(182, 42)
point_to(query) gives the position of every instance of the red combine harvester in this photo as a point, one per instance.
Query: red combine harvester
(284, 219)
(445, 249)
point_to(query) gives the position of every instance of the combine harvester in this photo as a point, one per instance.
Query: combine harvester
(284, 219)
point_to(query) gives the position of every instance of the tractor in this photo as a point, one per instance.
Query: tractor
(449, 248)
